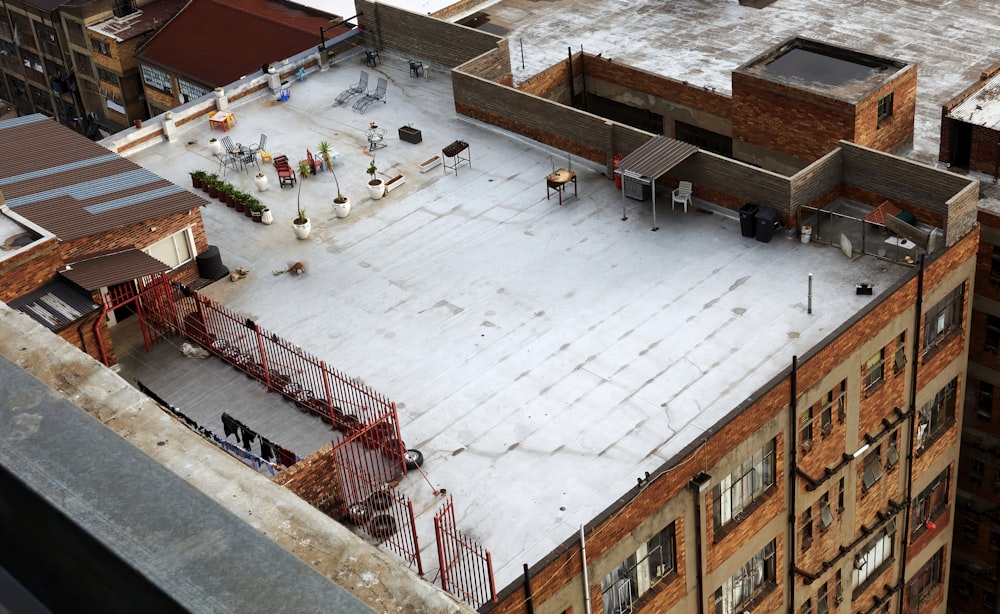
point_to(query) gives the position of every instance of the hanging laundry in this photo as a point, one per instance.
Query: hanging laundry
(248, 437)
(285, 457)
(230, 426)
(266, 449)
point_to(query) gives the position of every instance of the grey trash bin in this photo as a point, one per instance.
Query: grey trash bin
(748, 220)
(767, 221)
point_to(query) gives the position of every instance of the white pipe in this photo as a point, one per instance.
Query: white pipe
(586, 581)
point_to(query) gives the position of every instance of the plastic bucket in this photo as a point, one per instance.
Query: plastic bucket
(807, 232)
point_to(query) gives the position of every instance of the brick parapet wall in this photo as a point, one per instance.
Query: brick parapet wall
(315, 480)
(32, 267)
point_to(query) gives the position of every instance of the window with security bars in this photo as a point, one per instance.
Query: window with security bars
(984, 406)
(991, 340)
(806, 429)
(639, 572)
(875, 555)
(899, 359)
(875, 371)
(926, 581)
(190, 91)
(156, 79)
(736, 491)
(930, 503)
(934, 416)
(944, 319)
(807, 528)
(885, 108)
(747, 582)
(100, 46)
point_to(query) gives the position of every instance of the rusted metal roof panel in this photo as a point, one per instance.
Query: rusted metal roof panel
(55, 305)
(73, 187)
(101, 271)
(655, 157)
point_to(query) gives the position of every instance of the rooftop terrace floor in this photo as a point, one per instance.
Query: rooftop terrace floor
(542, 357)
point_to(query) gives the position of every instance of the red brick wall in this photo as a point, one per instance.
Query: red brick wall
(897, 130)
(315, 480)
(30, 269)
(139, 235)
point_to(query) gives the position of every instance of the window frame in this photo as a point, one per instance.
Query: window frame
(872, 470)
(758, 572)
(731, 496)
(885, 108)
(927, 580)
(930, 503)
(99, 45)
(156, 79)
(984, 400)
(936, 415)
(944, 318)
(188, 241)
(635, 576)
(874, 371)
(877, 554)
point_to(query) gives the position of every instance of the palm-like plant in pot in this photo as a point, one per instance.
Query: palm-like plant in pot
(341, 204)
(376, 187)
(301, 223)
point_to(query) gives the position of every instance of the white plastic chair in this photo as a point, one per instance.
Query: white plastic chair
(682, 195)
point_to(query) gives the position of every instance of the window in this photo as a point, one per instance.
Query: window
(874, 371)
(900, 359)
(806, 429)
(964, 587)
(83, 65)
(107, 75)
(995, 541)
(630, 580)
(100, 46)
(173, 251)
(873, 468)
(930, 503)
(738, 489)
(992, 339)
(807, 607)
(944, 318)
(984, 409)
(807, 528)
(935, 415)
(746, 583)
(876, 554)
(892, 454)
(976, 470)
(840, 496)
(970, 531)
(989, 600)
(926, 581)
(839, 584)
(995, 266)
(190, 91)
(825, 513)
(885, 108)
(838, 398)
(31, 61)
(156, 79)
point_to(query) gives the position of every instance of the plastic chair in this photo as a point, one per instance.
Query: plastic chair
(682, 195)
(316, 164)
(301, 74)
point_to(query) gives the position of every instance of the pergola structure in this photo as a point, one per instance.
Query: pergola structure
(651, 161)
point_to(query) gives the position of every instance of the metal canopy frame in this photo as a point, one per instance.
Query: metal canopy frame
(652, 160)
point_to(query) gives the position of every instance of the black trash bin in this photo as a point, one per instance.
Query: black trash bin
(748, 220)
(210, 264)
(767, 221)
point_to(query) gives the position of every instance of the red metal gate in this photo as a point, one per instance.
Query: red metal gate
(466, 567)
(153, 300)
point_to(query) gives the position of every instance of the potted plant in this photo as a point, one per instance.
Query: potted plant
(410, 134)
(300, 225)
(198, 179)
(341, 204)
(256, 209)
(304, 169)
(376, 187)
(214, 145)
(261, 181)
(211, 185)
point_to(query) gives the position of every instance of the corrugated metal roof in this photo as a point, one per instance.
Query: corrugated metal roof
(101, 271)
(982, 108)
(73, 187)
(255, 32)
(55, 305)
(655, 157)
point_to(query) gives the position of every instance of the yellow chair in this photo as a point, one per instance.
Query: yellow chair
(266, 157)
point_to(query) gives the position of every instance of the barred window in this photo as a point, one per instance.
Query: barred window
(935, 415)
(156, 79)
(639, 572)
(738, 489)
(189, 90)
(926, 581)
(944, 318)
(875, 371)
(100, 46)
(930, 503)
(747, 582)
(876, 554)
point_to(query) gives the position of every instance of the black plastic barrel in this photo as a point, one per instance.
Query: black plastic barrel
(210, 264)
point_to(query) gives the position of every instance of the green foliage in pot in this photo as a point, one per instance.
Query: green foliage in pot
(324, 150)
(304, 168)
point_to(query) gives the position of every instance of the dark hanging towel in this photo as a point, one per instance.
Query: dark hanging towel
(248, 437)
(266, 450)
(230, 426)
(285, 457)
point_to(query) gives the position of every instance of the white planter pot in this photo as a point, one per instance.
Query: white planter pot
(342, 209)
(301, 230)
(266, 217)
(215, 146)
(261, 182)
(376, 189)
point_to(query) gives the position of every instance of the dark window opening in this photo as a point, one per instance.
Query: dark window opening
(704, 139)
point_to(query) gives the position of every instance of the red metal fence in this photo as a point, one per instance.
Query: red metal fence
(466, 567)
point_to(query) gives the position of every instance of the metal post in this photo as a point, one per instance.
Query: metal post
(521, 43)
(586, 580)
(809, 308)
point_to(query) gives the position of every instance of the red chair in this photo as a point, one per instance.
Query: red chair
(286, 176)
(316, 164)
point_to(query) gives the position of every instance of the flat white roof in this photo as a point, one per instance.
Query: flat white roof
(543, 357)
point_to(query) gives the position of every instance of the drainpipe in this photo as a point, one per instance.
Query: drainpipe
(569, 64)
(529, 601)
(83, 340)
(793, 491)
(699, 485)
(910, 424)
(586, 580)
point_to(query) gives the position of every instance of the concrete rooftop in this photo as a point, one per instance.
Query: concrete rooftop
(542, 357)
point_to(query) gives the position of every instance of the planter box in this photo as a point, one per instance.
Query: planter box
(394, 183)
(410, 135)
(430, 163)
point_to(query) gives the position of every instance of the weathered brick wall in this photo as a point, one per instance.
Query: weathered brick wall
(897, 130)
(139, 235)
(29, 269)
(315, 480)
(787, 119)
(425, 37)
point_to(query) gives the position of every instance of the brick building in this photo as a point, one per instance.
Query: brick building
(85, 230)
